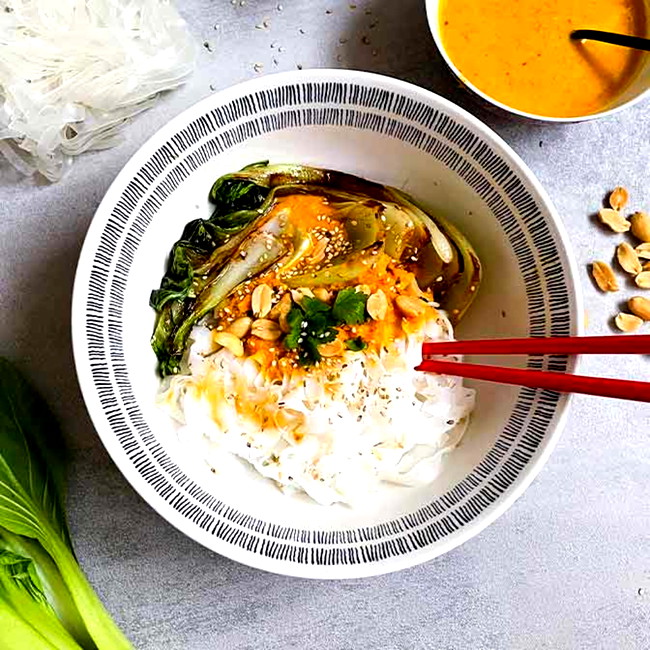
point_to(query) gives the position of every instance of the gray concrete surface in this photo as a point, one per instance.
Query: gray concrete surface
(567, 567)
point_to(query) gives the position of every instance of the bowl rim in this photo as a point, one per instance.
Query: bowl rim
(124, 463)
(432, 18)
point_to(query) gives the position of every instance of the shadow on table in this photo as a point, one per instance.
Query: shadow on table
(12, 179)
(39, 338)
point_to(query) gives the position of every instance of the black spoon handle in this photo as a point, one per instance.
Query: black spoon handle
(637, 42)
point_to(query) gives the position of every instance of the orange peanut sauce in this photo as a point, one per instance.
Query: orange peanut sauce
(313, 214)
(519, 52)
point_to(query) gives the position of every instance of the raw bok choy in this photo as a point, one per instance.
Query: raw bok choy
(249, 233)
(46, 602)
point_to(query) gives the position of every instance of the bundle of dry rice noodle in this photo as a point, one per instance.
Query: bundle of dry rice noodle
(72, 72)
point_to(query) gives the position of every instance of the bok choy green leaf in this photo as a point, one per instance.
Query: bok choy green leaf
(45, 599)
(214, 256)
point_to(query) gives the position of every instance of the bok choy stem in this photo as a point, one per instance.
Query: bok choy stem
(98, 621)
(45, 599)
(19, 634)
(205, 264)
(53, 586)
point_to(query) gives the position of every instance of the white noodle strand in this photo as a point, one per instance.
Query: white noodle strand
(72, 72)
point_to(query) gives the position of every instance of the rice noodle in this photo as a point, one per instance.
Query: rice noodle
(72, 72)
(373, 419)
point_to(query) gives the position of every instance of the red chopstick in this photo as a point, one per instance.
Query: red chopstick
(556, 381)
(637, 344)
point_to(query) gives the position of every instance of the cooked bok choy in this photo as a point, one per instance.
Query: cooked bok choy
(46, 601)
(254, 229)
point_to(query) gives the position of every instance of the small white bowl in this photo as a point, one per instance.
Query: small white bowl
(385, 130)
(637, 90)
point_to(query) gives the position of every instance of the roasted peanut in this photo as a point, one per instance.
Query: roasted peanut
(604, 276)
(377, 305)
(643, 251)
(240, 326)
(261, 300)
(628, 259)
(230, 342)
(409, 306)
(641, 226)
(281, 310)
(643, 280)
(628, 322)
(300, 293)
(640, 307)
(322, 294)
(618, 198)
(614, 219)
(266, 329)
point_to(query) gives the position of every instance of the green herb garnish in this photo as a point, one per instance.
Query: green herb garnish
(314, 322)
(356, 345)
(350, 307)
(310, 324)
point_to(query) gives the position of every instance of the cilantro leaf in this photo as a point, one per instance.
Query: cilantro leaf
(357, 344)
(350, 307)
(314, 322)
(314, 305)
(310, 325)
(308, 354)
(318, 325)
(294, 319)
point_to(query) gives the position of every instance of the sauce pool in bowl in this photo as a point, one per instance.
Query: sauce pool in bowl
(520, 54)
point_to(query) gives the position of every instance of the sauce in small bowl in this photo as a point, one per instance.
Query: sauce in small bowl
(519, 56)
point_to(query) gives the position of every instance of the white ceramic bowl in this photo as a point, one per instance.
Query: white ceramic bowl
(384, 130)
(638, 89)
